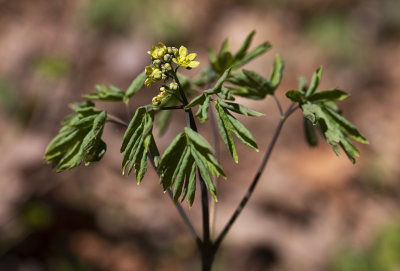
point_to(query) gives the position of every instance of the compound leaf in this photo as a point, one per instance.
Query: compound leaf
(79, 138)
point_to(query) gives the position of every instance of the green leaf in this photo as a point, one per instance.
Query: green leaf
(346, 126)
(202, 113)
(328, 95)
(200, 163)
(242, 133)
(224, 47)
(179, 161)
(190, 185)
(197, 139)
(251, 85)
(183, 170)
(136, 85)
(257, 80)
(240, 109)
(277, 71)
(314, 82)
(211, 55)
(133, 126)
(79, 138)
(197, 100)
(309, 132)
(294, 96)
(179, 141)
(243, 49)
(103, 93)
(225, 127)
(227, 124)
(217, 88)
(137, 142)
(259, 50)
(333, 128)
(225, 94)
(302, 85)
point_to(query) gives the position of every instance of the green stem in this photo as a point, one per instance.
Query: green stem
(206, 251)
(256, 178)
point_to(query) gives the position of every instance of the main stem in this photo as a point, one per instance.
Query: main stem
(207, 255)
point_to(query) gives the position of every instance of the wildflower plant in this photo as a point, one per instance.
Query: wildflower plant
(190, 158)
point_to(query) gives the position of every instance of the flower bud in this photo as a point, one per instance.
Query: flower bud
(164, 76)
(157, 75)
(156, 63)
(167, 67)
(156, 100)
(167, 58)
(163, 89)
(173, 86)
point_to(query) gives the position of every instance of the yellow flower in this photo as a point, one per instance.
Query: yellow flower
(153, 75)
(182, 58)
(158, 51)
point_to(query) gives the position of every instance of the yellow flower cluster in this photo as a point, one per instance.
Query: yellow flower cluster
(158, 51)
(161, 67)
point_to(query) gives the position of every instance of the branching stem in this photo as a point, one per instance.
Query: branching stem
(256, 178)
(278, 104)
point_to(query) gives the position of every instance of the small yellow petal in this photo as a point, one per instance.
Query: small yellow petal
(192, 56)
(182, 51)
(194, 64)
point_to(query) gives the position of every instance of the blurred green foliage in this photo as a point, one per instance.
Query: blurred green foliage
(12, 104)
(8, 96)
(336, 34)
(121, 16)
(37, 215)
(111, 15)
(382, 255)
(52, 67)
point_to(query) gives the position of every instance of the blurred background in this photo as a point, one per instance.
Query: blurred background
(311, 211)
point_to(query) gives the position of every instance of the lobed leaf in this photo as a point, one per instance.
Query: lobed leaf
(138, 142)
(335, 128)
(79, 138)
(178, 163)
